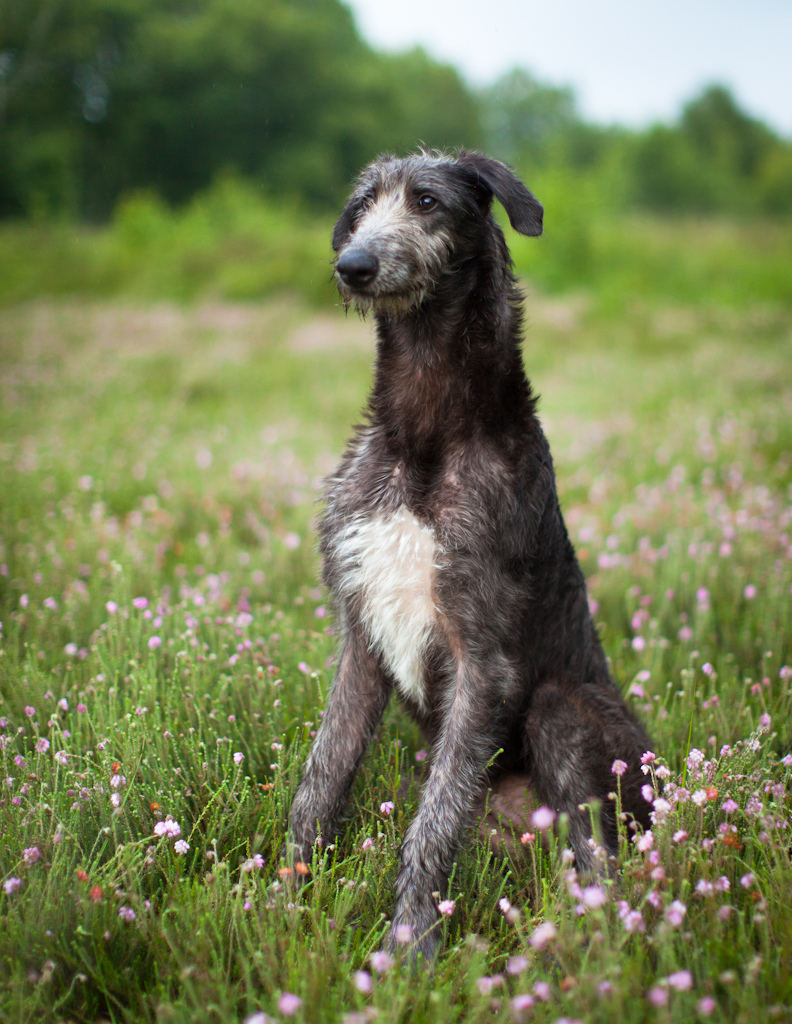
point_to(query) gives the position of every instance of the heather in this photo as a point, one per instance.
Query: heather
(166, 648)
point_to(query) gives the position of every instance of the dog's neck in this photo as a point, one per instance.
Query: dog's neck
(450, 370)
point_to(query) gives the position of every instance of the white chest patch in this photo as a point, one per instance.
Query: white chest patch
(389, 562)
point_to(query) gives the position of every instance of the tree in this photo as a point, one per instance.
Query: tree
(103, 96)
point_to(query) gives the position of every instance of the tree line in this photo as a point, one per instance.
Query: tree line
(99, 98)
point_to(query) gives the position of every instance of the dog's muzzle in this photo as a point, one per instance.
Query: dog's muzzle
(357, 268)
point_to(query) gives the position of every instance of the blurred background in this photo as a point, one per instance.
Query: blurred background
(175, 148)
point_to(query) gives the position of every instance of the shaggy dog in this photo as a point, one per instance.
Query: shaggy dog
(444, 545)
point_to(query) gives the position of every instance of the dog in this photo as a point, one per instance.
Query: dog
(444, 546)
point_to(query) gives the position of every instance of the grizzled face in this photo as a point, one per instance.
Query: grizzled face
(409, 221)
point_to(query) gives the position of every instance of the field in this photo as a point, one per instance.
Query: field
(166, 648)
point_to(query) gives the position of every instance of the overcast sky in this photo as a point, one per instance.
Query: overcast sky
(629, 61)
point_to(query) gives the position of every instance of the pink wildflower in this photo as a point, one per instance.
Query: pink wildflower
(706, 1005)
(543, 934)
(386, 807)
(522, 1002)
(11, 885)
(181, 846)
(154, 642)
(381, 961)
(657, 996)
(517, 964)
(169, 828)
(31, 855)
(542, 818)
(675, 913)
(619, 767)
(363, 982)
(403, 934)
(446, 907)
(695, 758)
(289, 1004)
(593, 897)
(127, 914)
(239, 757)
(42, 745)
(682, 981)
(634, 922)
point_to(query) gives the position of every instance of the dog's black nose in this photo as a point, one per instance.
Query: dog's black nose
(357, 268)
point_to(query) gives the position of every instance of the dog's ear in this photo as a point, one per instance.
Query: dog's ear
(346, 222)
(523, 208)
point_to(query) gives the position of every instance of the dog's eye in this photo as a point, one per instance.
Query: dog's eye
(426, 203)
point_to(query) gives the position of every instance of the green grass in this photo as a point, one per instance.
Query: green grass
(173, 453)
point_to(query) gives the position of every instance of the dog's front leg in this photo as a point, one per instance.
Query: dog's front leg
(461, 752)
(357, 701)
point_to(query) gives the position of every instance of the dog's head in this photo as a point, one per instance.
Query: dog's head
(410, 220)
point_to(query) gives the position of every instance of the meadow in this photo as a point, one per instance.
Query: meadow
(166, 644)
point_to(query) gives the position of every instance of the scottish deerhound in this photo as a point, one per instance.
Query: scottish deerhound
(443, 541)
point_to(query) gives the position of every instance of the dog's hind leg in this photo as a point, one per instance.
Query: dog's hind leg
(571, 746)
(357, 701)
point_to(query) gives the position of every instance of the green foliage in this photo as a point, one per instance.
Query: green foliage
(103, 98)
(172, 454)
(100, 97)
(229, 242)
(232, 242)
(715, 159)
(524, 120)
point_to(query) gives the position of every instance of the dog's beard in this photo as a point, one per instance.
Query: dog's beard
(396, 304)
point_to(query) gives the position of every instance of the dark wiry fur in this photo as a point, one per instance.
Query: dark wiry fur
(512, 659)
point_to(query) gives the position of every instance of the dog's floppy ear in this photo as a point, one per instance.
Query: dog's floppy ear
(346, 222)
(523, 208)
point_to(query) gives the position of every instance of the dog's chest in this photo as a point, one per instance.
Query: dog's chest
(387, 564)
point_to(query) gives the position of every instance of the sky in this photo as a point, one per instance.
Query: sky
(630, 62)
